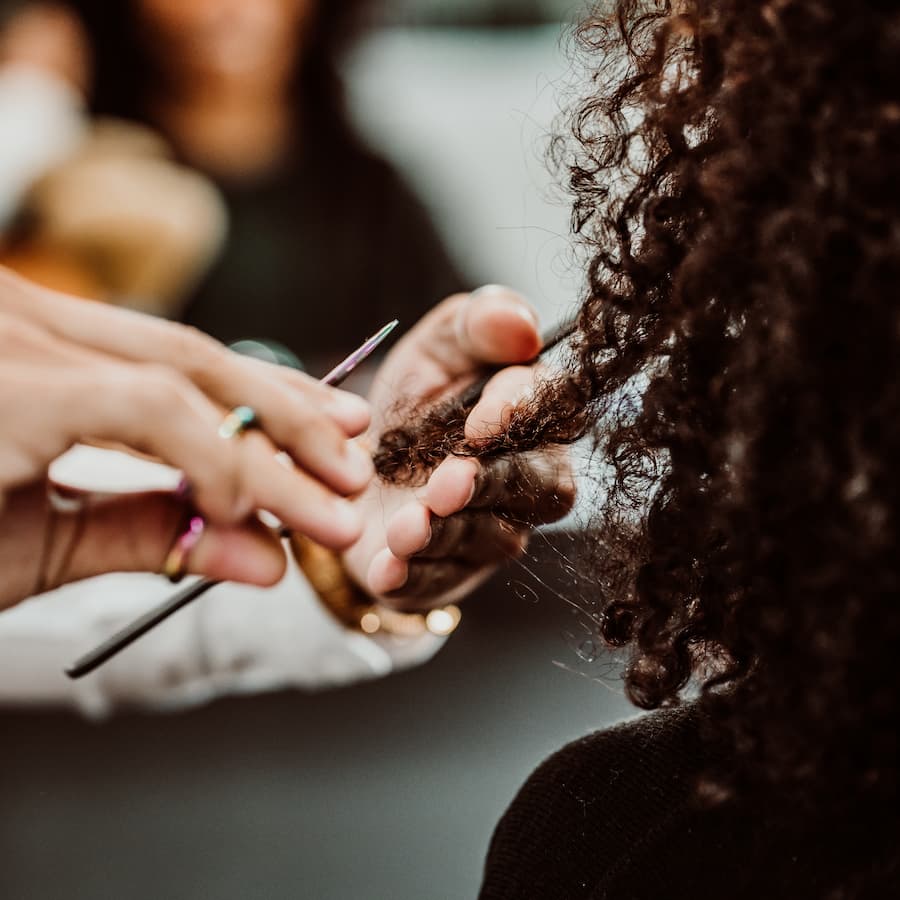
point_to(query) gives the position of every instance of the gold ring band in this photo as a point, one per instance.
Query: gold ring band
(175, 566)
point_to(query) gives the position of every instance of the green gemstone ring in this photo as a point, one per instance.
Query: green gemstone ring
(239, 420)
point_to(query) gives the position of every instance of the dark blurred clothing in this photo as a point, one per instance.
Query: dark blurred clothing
(615, 816)
(318, 257)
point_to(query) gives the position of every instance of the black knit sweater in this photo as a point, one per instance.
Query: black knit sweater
(615, 816)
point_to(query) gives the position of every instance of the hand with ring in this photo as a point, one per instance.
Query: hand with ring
(74, 371)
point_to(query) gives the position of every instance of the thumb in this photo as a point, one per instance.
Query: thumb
(496, 325)
(136, 532)
(459, 337)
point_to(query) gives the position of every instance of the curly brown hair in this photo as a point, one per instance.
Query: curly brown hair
(736, 174)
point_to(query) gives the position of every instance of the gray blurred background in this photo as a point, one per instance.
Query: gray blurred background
(463, 96)
(389, 789)
(380, 791)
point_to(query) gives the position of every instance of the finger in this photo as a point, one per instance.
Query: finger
(536, 487)
(456, 339)
(291, 407)
(320, 448)
(127, 533)
(301, 502)
(135, 533)
(409, 529)
(158, 401)
(307, 420)
(497, 325)
(290, 404)
(154, 410)
(508, 389)
(533, 488)
(349, 410)
(386, 573)
(422, 584)
(474, 539)
(452, 485)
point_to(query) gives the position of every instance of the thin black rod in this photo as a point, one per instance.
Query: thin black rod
(139, 627)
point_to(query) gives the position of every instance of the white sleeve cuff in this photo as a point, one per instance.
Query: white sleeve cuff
(234, 639)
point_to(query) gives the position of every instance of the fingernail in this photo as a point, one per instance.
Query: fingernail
(526, 313)
(521, 309)
(487, 289)
(427, 540)
(509, 298)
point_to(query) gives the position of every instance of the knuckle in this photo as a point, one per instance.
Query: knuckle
(225, 494)
(256, 454)
(313, 433)
(295, 380)
(232, 485)
(249, 460)
(159, 389)
(499, 383)
(13, 333)
(201, 356)
(304, 416)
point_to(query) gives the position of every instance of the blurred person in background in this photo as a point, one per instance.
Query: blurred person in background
(93, 208)
(325, 242)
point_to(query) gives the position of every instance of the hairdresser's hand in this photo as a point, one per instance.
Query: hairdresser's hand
(75, 371)
(434, 544)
